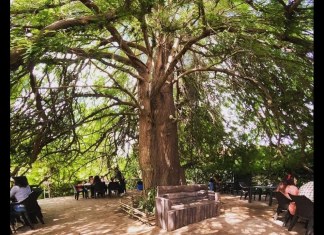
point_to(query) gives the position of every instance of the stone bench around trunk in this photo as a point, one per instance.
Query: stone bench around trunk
(180, 205)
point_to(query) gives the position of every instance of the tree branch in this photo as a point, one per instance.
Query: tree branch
(84, 20)
(137, 63)
(97, 95)
(122, 69)
(158, 83)
(91, 5)
(40, 8)
(99, 55)
(131, 44)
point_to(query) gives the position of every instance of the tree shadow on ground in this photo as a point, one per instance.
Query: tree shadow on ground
(67, 216)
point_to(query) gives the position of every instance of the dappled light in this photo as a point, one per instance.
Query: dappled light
(65, 215)
(159, 93)
(167, 96)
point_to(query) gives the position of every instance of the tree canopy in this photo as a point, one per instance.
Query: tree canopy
(88, 78)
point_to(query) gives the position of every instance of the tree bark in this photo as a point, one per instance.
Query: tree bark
(165, 137)
(145, 135)
(158, 137)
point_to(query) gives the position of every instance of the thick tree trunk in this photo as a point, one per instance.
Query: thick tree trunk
(158, 135)
(164, 143)
(147, 164)
(158, 138)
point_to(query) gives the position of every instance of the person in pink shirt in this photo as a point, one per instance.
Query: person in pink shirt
(288, 185)
(283, 183)
(293, 190)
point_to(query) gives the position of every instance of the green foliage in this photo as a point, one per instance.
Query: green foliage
(254, 61)
(147, 204)
(63, 189)
(129, 166)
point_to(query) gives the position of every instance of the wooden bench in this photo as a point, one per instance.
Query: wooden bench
(180, 205)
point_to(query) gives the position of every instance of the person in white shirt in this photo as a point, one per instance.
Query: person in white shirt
(307, 189)
(21, 190)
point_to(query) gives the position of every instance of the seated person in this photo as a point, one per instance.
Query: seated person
(113, 186)
(283, 183)
(89, 184)
(81, 188)
(289, 186)
(105, 182)
(18, 193)
(21, 189)
(99, 187)
(91, 179)
(307, 190)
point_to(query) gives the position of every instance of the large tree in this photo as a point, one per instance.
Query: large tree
(123, 63)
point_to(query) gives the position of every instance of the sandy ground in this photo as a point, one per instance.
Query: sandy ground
(65, 215)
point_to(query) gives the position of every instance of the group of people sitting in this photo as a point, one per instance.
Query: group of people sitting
(99, 186)
(289, 185)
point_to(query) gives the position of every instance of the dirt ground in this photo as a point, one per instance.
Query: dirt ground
(65, 215)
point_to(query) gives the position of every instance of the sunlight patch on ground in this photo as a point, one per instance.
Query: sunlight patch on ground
(280, 223)
(216, 224)
(252, 231)
(67, 216)
(273, 233)
(239, 209)
(134, 229)
(232, 218)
